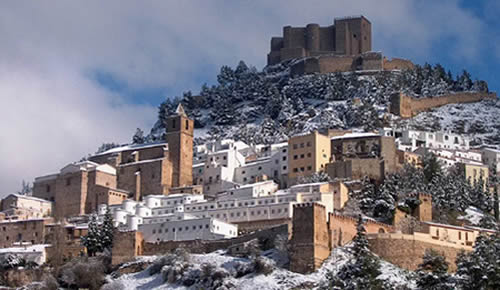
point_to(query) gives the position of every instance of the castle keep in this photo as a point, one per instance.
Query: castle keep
(347, 36)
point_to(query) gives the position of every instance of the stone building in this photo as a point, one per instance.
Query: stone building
(16, 206)
(79, 187)
(22, 232)
(347, 36)
(355, 155)
(307, 154)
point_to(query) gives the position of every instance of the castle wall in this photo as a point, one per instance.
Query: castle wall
(45, 189)
(407, 107)
(126, 246)
(406, 251)
(397, 64)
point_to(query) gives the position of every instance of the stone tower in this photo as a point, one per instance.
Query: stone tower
(424, 211)
(310, 238)
(180, 147)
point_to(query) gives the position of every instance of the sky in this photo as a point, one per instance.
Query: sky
(75, 74)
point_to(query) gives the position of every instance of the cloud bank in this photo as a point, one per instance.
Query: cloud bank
(54, 111)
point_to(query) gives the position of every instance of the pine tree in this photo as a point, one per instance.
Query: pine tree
(493, 183)
(138, 137)
(26, 188)
(480, 269)
(433, 272)
(107, 230)
(432, 167)
(362, 271)
(92, 241)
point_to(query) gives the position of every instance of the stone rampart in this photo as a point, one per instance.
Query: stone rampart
(406, 251)
(407, 107)
(397, 64)
(128, 245)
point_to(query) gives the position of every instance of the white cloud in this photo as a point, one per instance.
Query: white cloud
(53, 114)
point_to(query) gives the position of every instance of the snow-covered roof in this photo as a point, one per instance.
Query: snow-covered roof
(448, 226)
(309, 184)
(143, 161)
(46, 177)
(28, 197)
(27, 249)
(253, 184)
(355, 135)
(131, 147)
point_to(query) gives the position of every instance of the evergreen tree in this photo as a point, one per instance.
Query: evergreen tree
(138, 137)
(433, 272)
(480, 269)
(107, 230)
(26, 188)
(362, 271)
(432, 167)
(106, 146)
(493, 183)
(92, 241)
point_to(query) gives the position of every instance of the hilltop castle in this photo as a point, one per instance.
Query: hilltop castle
(344, 46)
(347, 36)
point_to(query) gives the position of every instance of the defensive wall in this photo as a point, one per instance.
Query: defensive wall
(406, 251)
(128, 245)
(368, 61)
(407, 107)
(315, 234)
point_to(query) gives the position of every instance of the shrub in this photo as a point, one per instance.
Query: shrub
(180, 254)
(242, 269)
(191, 277)
(262, 266)
(173, 273)
(83, 274)
(49, 283)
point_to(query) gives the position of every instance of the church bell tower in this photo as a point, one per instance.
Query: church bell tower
(179, 137)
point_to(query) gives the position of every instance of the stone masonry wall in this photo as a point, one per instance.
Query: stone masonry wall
(407, 107)
(406, 251)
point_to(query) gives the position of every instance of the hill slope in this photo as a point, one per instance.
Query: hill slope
(270, 105)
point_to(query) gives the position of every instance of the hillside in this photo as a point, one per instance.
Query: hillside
(280, 278)
(270, 105)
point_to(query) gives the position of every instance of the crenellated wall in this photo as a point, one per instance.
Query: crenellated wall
(407, 107)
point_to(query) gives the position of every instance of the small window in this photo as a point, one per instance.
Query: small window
(173, 124)
(187, 124)
(68, 181)
(48, 188)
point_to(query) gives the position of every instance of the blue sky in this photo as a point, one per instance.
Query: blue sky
(76, 74)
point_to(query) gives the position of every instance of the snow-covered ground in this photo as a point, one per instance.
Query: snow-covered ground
(278, 279)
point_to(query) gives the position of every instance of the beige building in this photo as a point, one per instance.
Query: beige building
(20, 207)
(79, 188)
(21, 232)
(355, 155)
(474, 172)
(307, 154)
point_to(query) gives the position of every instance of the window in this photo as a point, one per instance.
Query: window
(284, 158)
(244, 179)
(284, 151)
(309, 168)
(295, 146)
(243, 172)
(295, 157)
(446, 137)
(308, 144)
(284, 167)
(187, 124)
(260, 168)
(68, 181)
(301, 145)
(302, 169)
(48, 188)
(295, 170)
(173, 123)
(301, 156)
(309, 154)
